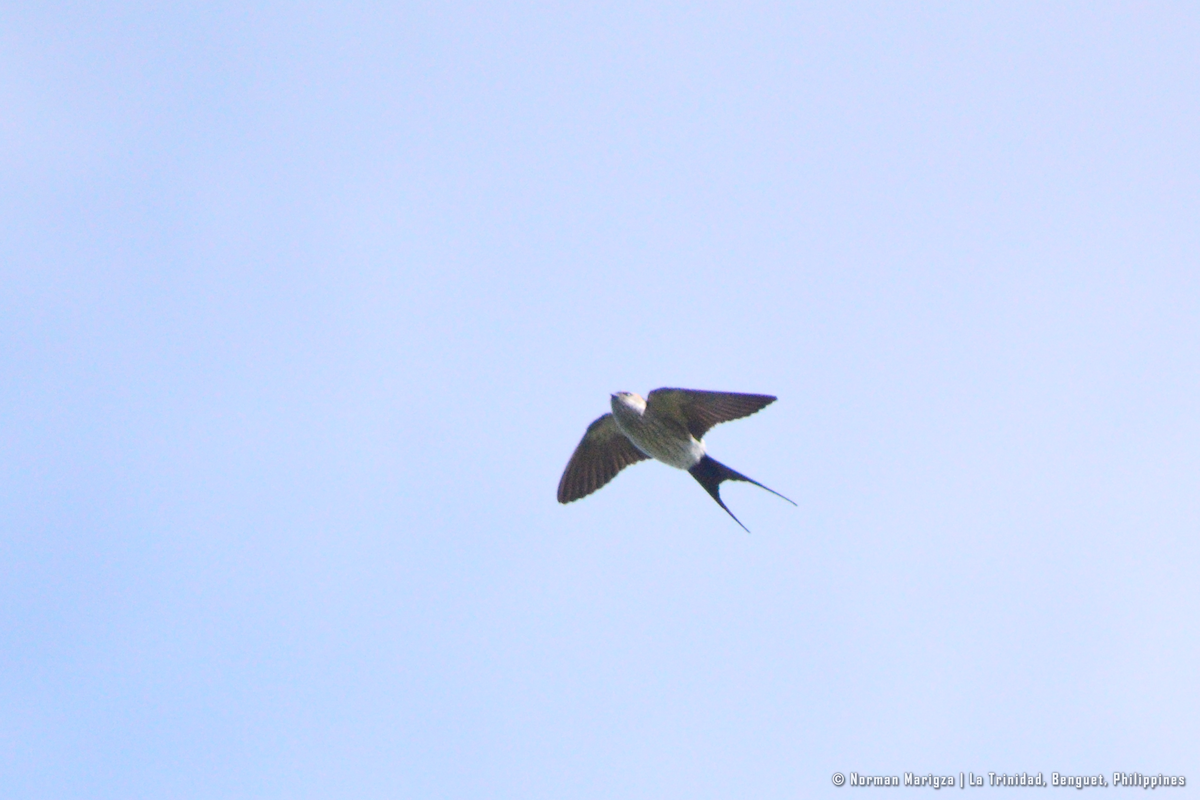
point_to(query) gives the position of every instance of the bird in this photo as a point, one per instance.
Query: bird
(668, 426)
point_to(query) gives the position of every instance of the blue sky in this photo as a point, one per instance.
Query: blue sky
(303, 310)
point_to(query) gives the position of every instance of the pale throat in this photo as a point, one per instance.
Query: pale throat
(666, 440)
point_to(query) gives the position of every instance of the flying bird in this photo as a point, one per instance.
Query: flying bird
(669, 425)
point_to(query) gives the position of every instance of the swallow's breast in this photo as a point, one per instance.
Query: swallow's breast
(664, 439)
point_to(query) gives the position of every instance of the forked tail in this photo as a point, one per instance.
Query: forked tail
(710, 473)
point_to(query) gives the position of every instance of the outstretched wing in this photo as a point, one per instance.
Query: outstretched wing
(602, 453)
(701, 410)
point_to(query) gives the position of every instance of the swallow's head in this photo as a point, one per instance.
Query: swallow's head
(629, 401)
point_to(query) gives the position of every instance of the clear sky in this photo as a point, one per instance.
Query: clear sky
(304, 308)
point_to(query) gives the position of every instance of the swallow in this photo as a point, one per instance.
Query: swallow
(669, 426)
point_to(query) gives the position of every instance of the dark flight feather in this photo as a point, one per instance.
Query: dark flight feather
(602, 453)
(702, 410)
